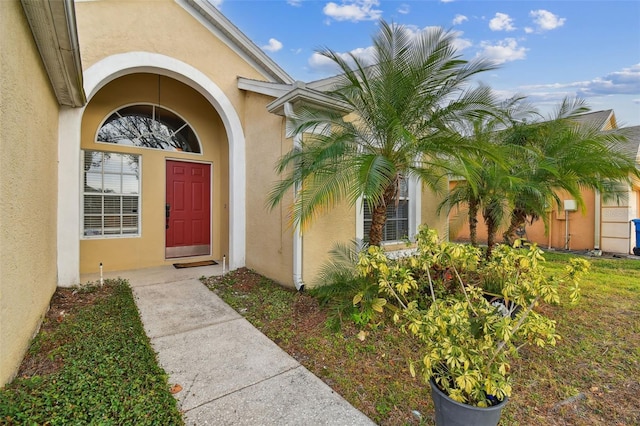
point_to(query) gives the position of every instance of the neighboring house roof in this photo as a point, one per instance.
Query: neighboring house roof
(632, 145)
(326, 84)
(53, 24)
(602, 120)
(213, 19)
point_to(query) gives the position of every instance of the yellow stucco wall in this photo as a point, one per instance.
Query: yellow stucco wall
(109, 27)
(336, 226)
(581, 226)
(269, 235)
(429, 213)
(28, 188)
(148, 249)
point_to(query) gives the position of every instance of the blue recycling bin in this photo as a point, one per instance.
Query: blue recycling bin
(636, 250)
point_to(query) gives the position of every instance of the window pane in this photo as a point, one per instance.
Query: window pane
(112, 205)
(112, 184)
(403, 209)
(130, 224)
(93, 182)
(112, 163)
(403, 189)
(130, 184)
(92, 225)
(112, 225)
(105, 212)
(92, 204)
(149, 126)
(130, 164)
(93, 161)
(129, 205)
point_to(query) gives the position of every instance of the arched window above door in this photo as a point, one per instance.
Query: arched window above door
(149, 126)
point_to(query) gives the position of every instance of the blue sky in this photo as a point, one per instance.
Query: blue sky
(547, 49)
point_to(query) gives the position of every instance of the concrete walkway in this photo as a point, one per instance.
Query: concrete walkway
(231, 374)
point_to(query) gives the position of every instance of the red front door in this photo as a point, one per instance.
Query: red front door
(188, 209)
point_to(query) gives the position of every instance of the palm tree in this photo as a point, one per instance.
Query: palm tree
(561, 154)
(484, 179)
(403, 107)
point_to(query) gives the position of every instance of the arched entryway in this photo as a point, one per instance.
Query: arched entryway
(120, 70)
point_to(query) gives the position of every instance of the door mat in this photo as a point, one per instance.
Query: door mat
(194, 264)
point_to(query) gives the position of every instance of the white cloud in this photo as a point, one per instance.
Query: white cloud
(294, 2)
(506, 50)
(623, 82)
(353, 10)
(545, 20)
(462, 43)
(273, 46)
(501, 22)
(447, 1)
(459, 19)
(322, 65)
(404, 9)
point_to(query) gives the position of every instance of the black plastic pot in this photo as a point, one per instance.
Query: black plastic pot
(453, 413)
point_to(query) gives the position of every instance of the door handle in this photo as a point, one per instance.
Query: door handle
(167, 214)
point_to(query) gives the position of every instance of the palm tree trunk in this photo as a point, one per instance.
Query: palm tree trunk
(379, 216)
(492, 229)
(473, 222)
(518, 218)
(488, 213)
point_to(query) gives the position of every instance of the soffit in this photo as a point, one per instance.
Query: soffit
(53, 25)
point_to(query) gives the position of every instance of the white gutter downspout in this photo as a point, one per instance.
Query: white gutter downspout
(598, 220)
(297, 235)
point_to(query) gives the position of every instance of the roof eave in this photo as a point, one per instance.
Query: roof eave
(267, 88)
(53, 24)
(300, 95)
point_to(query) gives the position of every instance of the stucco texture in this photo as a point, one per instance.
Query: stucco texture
(28, 188)
(112, 27)
(581, 226)
(269, 234)
(164, 27)
(148, 248)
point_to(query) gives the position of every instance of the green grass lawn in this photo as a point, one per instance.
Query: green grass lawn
(590, 378)
(91, 363)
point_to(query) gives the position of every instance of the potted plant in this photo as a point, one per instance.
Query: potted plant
(468, 343)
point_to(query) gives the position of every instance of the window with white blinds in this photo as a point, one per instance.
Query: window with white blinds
(111, 194)
(396, 227)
